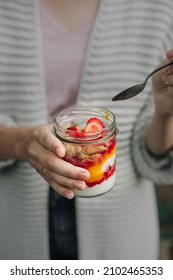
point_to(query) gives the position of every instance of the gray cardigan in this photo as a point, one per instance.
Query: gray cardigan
(129, 38)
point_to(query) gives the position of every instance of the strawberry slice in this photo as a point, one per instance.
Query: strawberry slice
(72, 129)
(93, 125)
(75, 132)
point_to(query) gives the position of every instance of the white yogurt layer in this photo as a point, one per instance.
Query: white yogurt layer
(98, 189)
(103, 187)
(109, 162)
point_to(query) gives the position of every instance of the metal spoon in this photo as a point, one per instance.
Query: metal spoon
(136, 89)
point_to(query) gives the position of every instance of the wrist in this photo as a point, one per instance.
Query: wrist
(12, 142)
(20, 140)
(162, 117)
(159, 135)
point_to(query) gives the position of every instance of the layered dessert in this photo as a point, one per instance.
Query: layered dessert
(95, 152)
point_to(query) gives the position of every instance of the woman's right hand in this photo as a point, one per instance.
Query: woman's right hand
(45, 153)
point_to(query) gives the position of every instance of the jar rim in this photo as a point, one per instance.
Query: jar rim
(76, 112)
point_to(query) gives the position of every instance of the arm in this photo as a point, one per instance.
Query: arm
(152, 139)
(45, 153)
(10, 142)
(159, 135)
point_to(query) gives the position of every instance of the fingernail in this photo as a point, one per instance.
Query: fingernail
(60, 153)
(80, 185)
(84, 175)
(69, 195)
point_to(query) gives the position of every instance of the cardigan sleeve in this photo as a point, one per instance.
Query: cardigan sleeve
(9, 122)
(157, 169)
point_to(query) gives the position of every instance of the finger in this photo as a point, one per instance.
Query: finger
(67, 182)
(169, 54)
(54, 164)
(60, 166)
(67, 193)
(46, 138)
(60, 189)
(166, 71)
(67, 169)
(168, 79)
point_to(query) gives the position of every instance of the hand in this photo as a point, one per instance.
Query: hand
(45, 153)
(159, 135)
(163, 88)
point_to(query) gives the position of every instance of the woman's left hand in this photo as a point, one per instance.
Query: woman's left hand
(163, 87)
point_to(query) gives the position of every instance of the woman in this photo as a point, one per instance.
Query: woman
(120, 47)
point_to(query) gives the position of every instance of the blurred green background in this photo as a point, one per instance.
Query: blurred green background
(165, 209)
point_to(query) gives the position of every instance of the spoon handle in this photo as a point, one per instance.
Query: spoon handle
(158, 69)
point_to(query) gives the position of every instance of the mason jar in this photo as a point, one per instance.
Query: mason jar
(89, 137)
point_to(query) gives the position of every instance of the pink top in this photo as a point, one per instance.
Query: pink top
(63, 57)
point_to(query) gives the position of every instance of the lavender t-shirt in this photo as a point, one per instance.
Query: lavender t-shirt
(63, 57)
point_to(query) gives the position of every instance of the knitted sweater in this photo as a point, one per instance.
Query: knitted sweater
(129, 38)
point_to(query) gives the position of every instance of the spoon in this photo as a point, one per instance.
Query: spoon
(136, 89)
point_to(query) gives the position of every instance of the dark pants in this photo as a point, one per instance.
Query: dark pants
(62, 227)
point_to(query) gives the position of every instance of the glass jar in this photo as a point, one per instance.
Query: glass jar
(89, 137)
